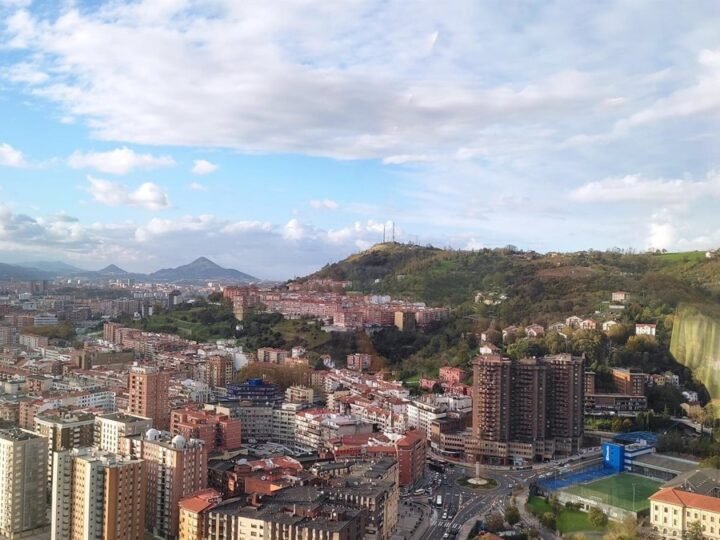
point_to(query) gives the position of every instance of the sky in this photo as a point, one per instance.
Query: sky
(276, 137)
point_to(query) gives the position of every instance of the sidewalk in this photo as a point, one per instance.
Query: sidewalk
(413, 520)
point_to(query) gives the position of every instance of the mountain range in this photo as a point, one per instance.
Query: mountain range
(201, 269)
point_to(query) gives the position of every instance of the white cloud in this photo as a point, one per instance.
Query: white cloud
(661, 235)
(15, 3)
(339, 92)
(202, 167)
(11, 157)
(324, 204)
(294, 230)
(119, 161)
(635, 188)
(197, 186)
(147, 195)
(26, 73)
(701, 97)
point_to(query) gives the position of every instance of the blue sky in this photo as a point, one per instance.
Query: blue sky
(275, 137)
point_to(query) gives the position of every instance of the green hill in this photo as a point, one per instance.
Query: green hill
(527, 287)
(546, 286)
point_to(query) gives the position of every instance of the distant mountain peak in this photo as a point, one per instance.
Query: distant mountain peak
(203, 261)
(202, 269)
(112, 269)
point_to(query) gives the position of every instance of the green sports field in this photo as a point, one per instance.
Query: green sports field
(618, 491)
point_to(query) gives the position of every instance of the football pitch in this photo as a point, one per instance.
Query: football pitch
(626, 491)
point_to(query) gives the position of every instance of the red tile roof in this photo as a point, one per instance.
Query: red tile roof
(687, 499)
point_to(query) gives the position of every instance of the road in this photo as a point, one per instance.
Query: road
(464, 504)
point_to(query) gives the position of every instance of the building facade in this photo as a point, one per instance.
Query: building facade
(526, 410)
(23, 483)
(148, 394)
(174, 468)
(97, 496)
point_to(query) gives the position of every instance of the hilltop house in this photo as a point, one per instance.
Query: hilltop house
(644, 329)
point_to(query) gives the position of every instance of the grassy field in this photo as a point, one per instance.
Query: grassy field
(690, 256)
(569, 521)
(413, 381)
(298, 330)
(626, 491)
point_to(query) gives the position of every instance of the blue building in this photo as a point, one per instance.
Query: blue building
(613, 456)
(255, 391)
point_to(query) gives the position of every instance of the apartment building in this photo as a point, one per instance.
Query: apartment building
(175, 467)
(300, 394)
(194, 511)
(270, 355)
(65, 431)
(628, 382)
(97, 495)
(359, 361)
(148, 394)
(284, 424)
(220, 371)
(219, 432)
(411, 458)
(110, 429)
(23, 483)
(297, 520)
(256, 420)
(529, 409)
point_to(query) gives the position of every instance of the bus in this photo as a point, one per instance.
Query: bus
(438, 500)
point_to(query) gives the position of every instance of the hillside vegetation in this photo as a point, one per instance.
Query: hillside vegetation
(548, 286)
(523, 288)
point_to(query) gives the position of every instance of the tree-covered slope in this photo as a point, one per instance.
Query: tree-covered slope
(533, 285)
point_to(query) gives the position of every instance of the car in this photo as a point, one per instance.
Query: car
(445, 515)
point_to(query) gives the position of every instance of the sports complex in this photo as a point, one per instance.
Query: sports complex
(620, 486)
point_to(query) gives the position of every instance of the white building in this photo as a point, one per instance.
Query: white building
(45, 319)
(644, 329)
(110, 428)
(284, 424)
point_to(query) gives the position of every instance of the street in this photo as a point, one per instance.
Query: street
(462, 504)
(423, 519)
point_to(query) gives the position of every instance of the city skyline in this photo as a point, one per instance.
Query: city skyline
(147, 134)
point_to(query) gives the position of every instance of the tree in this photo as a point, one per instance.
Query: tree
(592, 343)
(626, 529)
(495, 522)
(215, 296)
(694, 531)
(548, 520)
(712, 462)
(597, 517)
(554, 504)
(493, 336)
(512, 515)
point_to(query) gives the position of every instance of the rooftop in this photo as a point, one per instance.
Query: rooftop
(124, 417)
(686, 499)
(17, 434)
(673, 464)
